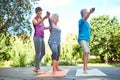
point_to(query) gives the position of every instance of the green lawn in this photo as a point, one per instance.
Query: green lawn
(92, 62)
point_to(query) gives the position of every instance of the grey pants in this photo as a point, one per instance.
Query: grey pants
(39, 50)
(55, 48)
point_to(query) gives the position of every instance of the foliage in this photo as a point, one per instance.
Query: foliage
(105, 41)
(68, 54)
(15, 16)
(21, 52)
(5, 46)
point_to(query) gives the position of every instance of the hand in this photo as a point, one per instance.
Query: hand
(49, 27)
(92, 10)
(48, 14)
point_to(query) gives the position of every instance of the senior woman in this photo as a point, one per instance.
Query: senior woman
(54, 41)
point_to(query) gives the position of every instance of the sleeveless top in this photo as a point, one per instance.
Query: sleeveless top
(55, 35)
(39, 29)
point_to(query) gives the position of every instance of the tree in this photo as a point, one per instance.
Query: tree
(15, 16)
(105, 33)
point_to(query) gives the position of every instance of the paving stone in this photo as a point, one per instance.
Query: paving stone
(26, 73)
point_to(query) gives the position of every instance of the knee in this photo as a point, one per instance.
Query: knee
(54, 55)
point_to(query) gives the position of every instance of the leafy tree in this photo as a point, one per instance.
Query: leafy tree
(105, 33)
(15, 26)
(15, 16)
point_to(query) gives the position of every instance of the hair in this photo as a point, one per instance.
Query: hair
(54, 15)
(37, 9)
(81, 12)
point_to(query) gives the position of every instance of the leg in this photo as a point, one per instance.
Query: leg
(42, 49)
(37, 51)
(58, 51)
(57, 66)
(53, 48)
(54, 66)
(39, 46)
(88, 54)
(42, 53)
(86, 50)
(85, 62)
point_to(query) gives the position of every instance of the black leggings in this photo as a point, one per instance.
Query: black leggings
(55, 48)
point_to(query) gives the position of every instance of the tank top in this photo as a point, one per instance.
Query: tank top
(55, 35)
(39, 29)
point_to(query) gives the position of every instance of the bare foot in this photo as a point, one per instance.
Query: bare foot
(54, 72)
(84, 72)
(35, 70)
(38, 71)
(59, 70)
(89, 68)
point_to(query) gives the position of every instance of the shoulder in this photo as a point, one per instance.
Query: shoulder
(81, 21)
(34, 20)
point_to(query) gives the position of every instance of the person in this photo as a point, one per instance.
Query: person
(84, 36)
(39, 37)
(54, 41)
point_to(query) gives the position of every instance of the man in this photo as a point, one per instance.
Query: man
(84, 36)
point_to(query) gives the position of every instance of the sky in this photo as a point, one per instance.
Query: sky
(69, 12)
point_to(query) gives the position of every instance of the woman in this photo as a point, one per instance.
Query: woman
(54, 41)
(39, 37)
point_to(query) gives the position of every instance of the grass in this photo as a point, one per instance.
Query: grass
(115, 64)
(92, 62)
(98, 63)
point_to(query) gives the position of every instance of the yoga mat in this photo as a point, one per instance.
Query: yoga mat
(58, 74)
(92, 72)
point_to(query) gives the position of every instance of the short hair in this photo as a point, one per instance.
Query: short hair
(37, 9)
(81, 12)
(54, 15)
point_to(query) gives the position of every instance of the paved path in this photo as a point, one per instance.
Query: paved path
(26, 73)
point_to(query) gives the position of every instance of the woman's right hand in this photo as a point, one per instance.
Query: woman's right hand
(47, 14)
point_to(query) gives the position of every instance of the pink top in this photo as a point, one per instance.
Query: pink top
(39, 30)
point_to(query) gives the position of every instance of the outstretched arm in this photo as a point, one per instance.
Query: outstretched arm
(86, 16)
(47, 28)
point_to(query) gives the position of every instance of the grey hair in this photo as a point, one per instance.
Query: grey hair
(81, 12)
(54, 15)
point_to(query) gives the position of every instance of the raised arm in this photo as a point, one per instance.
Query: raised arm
(86, 16)
(48, 13)
(35, 22)
(39, 21)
